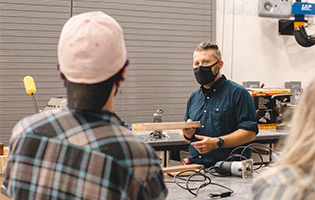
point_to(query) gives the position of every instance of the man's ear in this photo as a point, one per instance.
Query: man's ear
(61, 76)
(123, 74)
(221, 64)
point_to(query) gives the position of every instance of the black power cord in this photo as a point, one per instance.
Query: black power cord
(207, 180)
(241, 157)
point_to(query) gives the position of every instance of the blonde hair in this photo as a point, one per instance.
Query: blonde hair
(299, 146)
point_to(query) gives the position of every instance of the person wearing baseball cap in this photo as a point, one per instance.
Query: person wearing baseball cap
(84, 151)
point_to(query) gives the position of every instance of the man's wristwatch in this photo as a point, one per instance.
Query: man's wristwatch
(220, 142)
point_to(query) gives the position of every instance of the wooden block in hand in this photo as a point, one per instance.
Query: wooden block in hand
(164, 126)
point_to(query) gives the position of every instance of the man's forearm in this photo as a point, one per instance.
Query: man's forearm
(238, 138)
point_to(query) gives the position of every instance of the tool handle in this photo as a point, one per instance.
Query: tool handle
(29, 85)
(30, 89)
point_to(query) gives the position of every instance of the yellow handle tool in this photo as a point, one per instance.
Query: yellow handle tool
(30, 89)
(29, 85)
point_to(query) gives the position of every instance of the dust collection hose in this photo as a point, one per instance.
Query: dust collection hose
(301, 36)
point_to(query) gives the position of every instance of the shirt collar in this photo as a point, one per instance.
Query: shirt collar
(216, 85)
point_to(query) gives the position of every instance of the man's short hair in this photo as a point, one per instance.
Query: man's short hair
(204, 46)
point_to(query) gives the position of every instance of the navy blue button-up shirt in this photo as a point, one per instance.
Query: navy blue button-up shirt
(221, 110)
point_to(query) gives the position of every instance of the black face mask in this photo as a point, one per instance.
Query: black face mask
(204, 75)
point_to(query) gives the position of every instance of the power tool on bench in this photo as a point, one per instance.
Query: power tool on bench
(242, 168)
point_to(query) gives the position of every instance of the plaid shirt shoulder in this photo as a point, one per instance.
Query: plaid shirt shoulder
(72, 154)
(288, 183)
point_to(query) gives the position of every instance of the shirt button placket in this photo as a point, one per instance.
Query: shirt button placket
(202, 126)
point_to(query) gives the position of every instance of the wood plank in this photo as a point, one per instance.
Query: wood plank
(179, 168)
(3, 160)
(164, 126)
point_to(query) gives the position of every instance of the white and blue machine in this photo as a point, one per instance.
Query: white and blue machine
(297, 17)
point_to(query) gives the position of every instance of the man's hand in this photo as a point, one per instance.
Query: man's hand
(206, 144)
(189, 132)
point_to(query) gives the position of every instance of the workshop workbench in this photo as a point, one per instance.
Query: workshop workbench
(175, 141)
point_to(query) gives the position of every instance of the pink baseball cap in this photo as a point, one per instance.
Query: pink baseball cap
(91, 48)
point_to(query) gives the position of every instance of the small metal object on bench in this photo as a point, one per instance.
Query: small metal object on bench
(157, 118)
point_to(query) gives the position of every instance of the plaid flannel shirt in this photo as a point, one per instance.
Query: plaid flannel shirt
(289, 183)
(75, 154)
